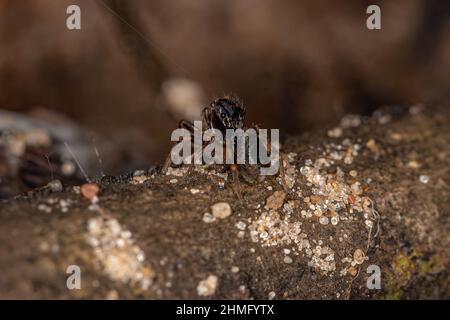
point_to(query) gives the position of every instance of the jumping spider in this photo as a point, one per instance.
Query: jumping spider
(226, 113)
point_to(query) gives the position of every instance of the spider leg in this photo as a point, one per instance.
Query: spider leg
(236, 186)
(283, 157)
(183, 124)
(282, 173)
(207, 116)
(167, 163)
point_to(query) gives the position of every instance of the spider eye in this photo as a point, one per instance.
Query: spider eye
(222, 115)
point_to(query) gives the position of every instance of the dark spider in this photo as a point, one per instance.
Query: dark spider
(225, 113)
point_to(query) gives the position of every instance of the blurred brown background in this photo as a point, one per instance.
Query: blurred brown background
(297, 65)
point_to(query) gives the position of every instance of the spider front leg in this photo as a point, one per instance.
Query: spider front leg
(283, 157)
(183, 124)
(207, 116)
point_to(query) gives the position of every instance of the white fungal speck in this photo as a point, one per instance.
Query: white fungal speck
(287, 260)
(424, 179)
(55, 185)
(208, 218)
(241, 225)
(334, 220)
(353, 173)
(208, 286)
(323, 220)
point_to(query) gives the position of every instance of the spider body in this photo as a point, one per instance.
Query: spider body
(222, 114)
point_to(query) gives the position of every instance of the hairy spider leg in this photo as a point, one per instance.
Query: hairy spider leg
(207, 117)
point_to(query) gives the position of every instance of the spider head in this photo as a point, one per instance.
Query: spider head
(228, 112)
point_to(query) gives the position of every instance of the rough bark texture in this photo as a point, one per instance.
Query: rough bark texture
(147, 236)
